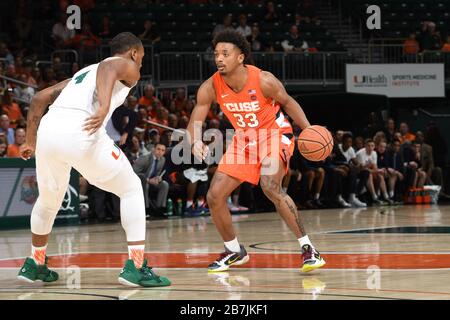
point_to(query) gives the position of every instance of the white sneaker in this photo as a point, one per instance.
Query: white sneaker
(343, 203)
(355, 202)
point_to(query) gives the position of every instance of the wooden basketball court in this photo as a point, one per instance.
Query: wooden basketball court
(375, 253)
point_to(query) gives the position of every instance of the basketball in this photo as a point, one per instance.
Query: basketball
(315, 143)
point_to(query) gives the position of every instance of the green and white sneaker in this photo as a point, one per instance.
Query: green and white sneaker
(143, 277)
(31, 272)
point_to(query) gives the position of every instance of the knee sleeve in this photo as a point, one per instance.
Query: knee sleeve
(43, 214)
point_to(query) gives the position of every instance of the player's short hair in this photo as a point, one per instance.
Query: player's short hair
(123, 42)
(236, 38)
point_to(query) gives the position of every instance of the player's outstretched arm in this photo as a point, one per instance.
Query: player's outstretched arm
(39, 104)
(205, 97)
(108, 73)
(273, 88)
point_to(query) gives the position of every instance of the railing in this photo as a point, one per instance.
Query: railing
(314, 68)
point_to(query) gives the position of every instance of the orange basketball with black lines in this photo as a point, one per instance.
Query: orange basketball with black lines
(315, 143)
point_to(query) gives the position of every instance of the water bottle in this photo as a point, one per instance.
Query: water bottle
(169, 207)
(179, 207)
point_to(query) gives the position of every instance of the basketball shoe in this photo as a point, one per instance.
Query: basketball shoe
(228, 259)
(144, 277)
(31, 272)
(311, 259)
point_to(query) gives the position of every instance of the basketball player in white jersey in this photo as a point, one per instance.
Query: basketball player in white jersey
(72, 135)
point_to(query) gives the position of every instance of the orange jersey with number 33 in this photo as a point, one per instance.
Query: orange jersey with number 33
(249, 109)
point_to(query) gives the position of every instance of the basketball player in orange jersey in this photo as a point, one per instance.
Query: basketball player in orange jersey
(251, 99)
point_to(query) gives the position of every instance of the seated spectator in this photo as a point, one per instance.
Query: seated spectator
(60, 33)
(124, 120)
(434, 173)
(383, 169)
(6, 129)
(379, 137)
(346, 161)
(11, 109)
(86, 42)
(367, 159)
(154, 139)
(294, 42)
(6, 54)
(446, 45)
(3, 147)
(227, 23)
(406, 135)
(410, 46)
(106, 29)
(413, 164)
(162, 115)
(149, 168)
(149, 100)
(359, 143)
(389, 130)
(257, 43)
(429, 38)
(314, 174)
(19, 138)
(150, 33)
(243, 28)
(396, 170)
(180, 102)
(28, 71)
(270, 15)
(23, 91)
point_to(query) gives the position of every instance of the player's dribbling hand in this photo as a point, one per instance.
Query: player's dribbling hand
(93, 123)
(200, 150)
(26, 151)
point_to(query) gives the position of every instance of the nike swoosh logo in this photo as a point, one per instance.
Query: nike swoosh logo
(224, 95)
(232, 261)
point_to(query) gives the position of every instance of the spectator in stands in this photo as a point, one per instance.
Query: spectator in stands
(294, 42)
(28, 71)
(6, 129)
(406, 135)
(379, 137)
(396, 170)
(180, 102)
(13, 149)
(133, 152)
(314, 174)
(149, 169)
(389, 130)
(383, 169)
(270, 15)
(413, 163)
(410, 48)
(23, 91)
(446, 45)
(149, 100)
(346, 161)
(150, 33)
(367, 159)
(124, 120)
(86, 42)
(61, 34)
(6, 54)
(429, 38)
(11, 109)
(243, 28)
(154, 138)
(227, 23)
(3, 147)
(258, 43)
(434, 173)
(307, 11)
(106, 30)
(37, 75)
(359, 143)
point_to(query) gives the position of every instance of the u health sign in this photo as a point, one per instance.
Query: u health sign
(404, 80)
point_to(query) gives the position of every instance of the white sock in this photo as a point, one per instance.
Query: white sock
(200, 203)
(374, 196)
(189, 203)
(38, 254)
(304, 240)
(339, 198)
(233, 245)
(391, 194)
(136, 253)
(386, 196)
(317, 196)
(352, 197)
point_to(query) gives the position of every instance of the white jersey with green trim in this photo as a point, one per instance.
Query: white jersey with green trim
(80, 94)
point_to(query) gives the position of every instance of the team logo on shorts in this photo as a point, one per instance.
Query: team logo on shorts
(29, 190)
(116, 153)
